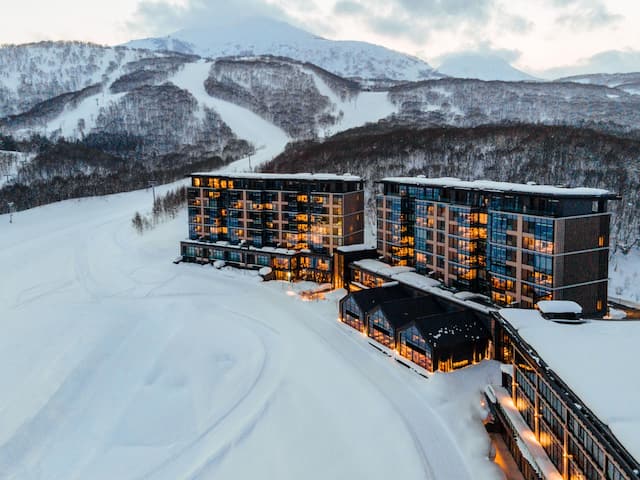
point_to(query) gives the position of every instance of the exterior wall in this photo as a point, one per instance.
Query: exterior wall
(351, 314)
(312, 217)
(575, 441)
(285, 266)
(509, 435)
(380, 329)
(592, 297)
(460, 356)
(413, 347)
(293, 216)
(364, 278)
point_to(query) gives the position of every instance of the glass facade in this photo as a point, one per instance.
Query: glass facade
(498, 243)
(413, 347)
(380, 329)
(563, 433)
(351, 314)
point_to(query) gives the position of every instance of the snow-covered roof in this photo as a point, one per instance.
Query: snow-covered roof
(408, 276)
(559, 307)
(488, 185)
(283, 176)
(528, 445)
(593, 359)
(224, 243)
(381, 268)
(358, 247)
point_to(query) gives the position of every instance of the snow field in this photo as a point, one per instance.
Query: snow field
(115, 363)
(624, 275)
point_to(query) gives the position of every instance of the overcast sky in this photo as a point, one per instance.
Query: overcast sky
(534, 35)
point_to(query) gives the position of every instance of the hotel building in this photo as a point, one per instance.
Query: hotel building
(292, 223)
(517, 243)
(560, 410)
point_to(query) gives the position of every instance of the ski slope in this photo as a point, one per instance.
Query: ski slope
(116, 363)
(362, 108)
(268, 139)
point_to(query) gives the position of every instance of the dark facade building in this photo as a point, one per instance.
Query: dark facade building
(354, 308)
(425, 327)
(444, 341)
(517, 243)
(550, 431)
(292, 223)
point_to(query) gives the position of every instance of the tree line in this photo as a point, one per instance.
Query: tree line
(164, 208)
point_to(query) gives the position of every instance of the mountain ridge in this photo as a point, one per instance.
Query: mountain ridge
(263, 36)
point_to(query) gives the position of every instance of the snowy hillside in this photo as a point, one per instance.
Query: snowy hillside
(629, 82)
(482, 67)
(263, 36)
(467, 102)
(624, 271)
(32, 73)
(116, 363)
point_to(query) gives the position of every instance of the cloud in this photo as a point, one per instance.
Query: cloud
(475, 9)
(346, 7)
(159, 18)
(585, 15)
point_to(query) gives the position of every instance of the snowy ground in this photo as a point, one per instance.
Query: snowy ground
(116, 363)
(624, 274)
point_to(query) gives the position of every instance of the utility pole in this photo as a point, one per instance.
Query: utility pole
(152, 184)
(11, 204)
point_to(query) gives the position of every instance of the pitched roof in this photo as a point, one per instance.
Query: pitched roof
(369, 298)
(451, 328)
(401, 312)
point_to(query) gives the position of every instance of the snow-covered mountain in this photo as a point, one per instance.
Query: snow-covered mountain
(481, 66)
(264, 36)
(32, 73)
(629, 82)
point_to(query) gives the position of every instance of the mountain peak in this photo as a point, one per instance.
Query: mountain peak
(481, 66)
(267, 36)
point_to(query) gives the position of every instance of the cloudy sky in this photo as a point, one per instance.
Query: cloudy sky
(542, 37)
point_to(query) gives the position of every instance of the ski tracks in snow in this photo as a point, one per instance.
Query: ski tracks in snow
(200, 457)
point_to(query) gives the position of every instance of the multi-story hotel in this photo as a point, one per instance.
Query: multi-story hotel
(518, 243)
(292, 223)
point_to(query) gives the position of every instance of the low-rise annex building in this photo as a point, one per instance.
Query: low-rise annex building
(433, 327)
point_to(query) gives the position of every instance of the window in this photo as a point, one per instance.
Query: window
(601, 241)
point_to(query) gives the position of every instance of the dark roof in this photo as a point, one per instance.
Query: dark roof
(451, 328)
(401, 312)
(369, 298)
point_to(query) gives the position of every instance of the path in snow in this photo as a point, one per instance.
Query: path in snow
(115, 363)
